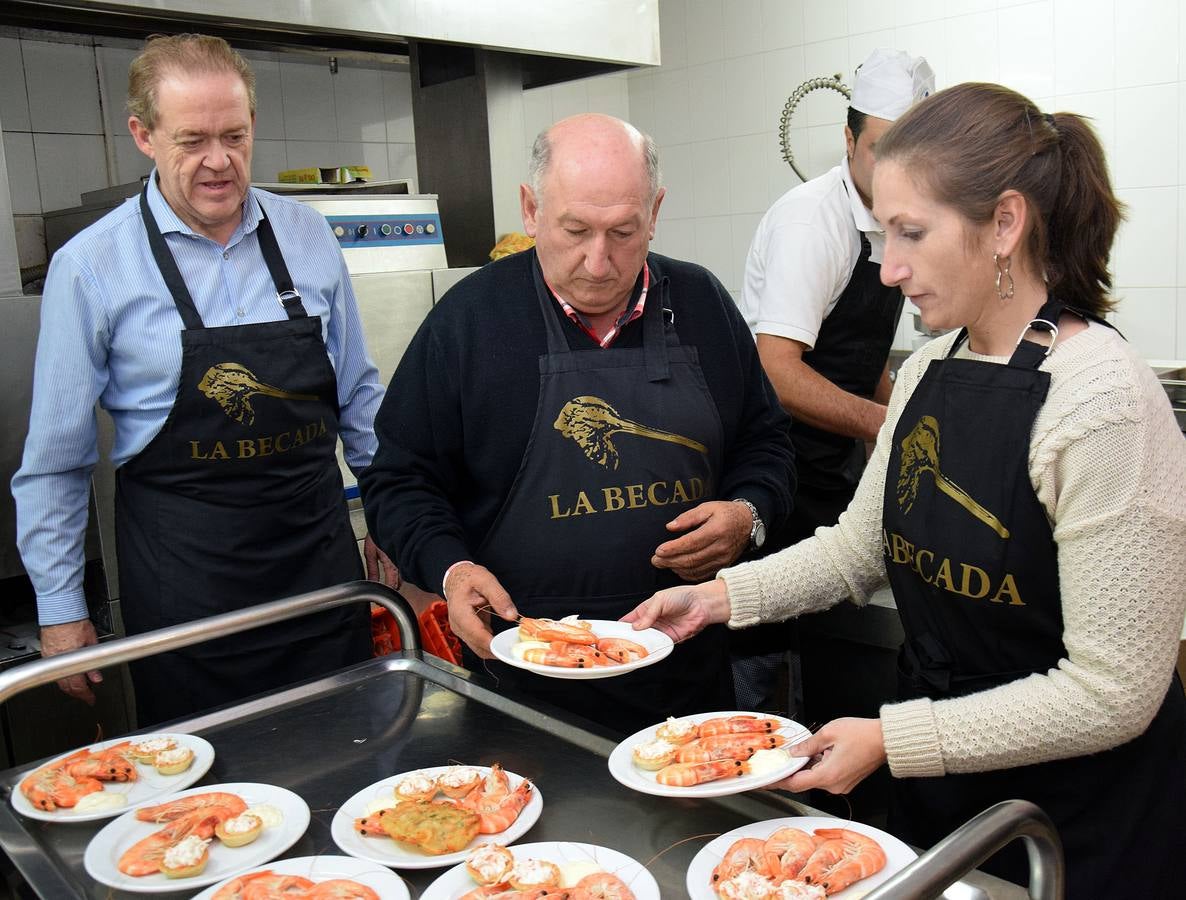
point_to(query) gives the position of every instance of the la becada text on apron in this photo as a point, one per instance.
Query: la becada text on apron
(973, 565)
(624, 440)
(238, 501)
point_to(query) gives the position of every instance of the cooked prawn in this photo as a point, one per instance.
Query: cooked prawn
(494, 786)
(738, 725)
(792, 847)
(844, 858)
(144, 857)
(744, 855)
(601, 886)
(175, 809)
(341, 889)
(688, 774)
(53, 786)
(747, 885)
(113, 764)
(552, 630)
(497, 815)
(567, 655)
(728, 746)
(621, 650)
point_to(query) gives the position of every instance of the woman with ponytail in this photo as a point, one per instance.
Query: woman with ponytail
(1025, 502)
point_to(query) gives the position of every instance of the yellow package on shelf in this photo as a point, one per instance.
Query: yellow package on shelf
(325, 175)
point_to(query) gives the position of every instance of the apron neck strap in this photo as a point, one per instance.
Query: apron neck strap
(168, 267)
(1029, 354)
(285, 292)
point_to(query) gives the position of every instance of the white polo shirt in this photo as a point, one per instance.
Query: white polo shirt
(803, 254)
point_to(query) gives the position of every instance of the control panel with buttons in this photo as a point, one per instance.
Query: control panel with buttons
(354, 232)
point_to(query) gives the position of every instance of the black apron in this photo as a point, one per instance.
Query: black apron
(238, 501)
(624, 440)
(974, 570)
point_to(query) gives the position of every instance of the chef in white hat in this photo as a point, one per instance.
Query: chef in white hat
(824, 323)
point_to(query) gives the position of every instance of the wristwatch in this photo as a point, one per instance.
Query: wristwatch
(757, 532)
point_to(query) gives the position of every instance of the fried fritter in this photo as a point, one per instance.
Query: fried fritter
(433, 827)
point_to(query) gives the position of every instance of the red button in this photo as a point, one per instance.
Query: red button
(408, 229)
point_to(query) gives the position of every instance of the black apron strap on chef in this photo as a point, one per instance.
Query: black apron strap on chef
(168, 266)
(1029, 354)
(653, 338)
(285, 292)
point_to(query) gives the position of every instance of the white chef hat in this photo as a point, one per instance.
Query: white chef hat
(889, 82)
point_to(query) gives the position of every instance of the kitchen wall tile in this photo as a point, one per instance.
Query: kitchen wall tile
(912, 12)
(1148, 317)
(870, 15)
(131, 165)
(22, 173)
(671, 122)
(401, 163)
(269, 100)
(743, 27)
(706, 101)
(824, 21)
(268, 160)
(1084, 45)
(675, 162)
(782, 72)
(971, 44)
(1181, 315)
(62, 87)
(1147, 131)
(964, 7)
(30, 241)
(305, 154)
(825, 149)
(641, 90)
(1147, 243)
(743, 88)
(1027, 65)
(370, 154)
(358, 104)
(748, 186)
(569, 98)
(14, 102)
(861, 46)
(1100, 109)
(782, 23)
(1146, 36)
(927, 39)
(1181, 255)
(714, 249)
(779, 174)
(113, 63)
(67, 165)
(309, 113)
(537, 113)
(744, 227)
(706, 31)
(673, 33)
(710, 169)
(609, 94)
(1182, 130)
(675, 237)
(397, 105)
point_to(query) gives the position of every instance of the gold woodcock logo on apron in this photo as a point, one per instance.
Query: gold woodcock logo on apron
(232, 386)
(920, 453)
(592, 423)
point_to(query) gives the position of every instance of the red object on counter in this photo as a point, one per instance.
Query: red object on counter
(435, 635)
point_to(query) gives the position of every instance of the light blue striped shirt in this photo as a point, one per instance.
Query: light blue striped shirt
(109, 333)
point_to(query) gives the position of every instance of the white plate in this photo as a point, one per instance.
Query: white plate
(106, 847)
(456, 881)
(151, 785)
(622, 767)
(383, 882)
(897, 854)
(387, 852)
(658, 646)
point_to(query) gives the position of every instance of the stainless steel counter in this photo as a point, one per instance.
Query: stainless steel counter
(332, 737)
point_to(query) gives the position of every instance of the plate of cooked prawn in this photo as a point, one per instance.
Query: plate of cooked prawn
(312, 878)
(107, 778)
(561, 868)
(708, 754)
(196, 837)
(431, 818)
(579, 648)
(796, 858)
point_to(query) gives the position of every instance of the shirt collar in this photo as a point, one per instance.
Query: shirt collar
(860, 213)
(168, 221)
(634, 308)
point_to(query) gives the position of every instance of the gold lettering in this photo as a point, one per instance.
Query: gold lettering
(218, 451)
(903, 549)
(583, 505)
(885, 544)
(282, 442)
(321, 431)
(697, 488)
(679, 494)
(965, 587)
(653, 493)
(636, 497)
(943, 576)
(918, 564)
(613, 499)
(1008, 588)
(265, 446)
(193, 451)
(246, 449)
(556, 513)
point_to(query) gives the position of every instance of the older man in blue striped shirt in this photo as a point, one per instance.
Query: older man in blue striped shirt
(216, 323)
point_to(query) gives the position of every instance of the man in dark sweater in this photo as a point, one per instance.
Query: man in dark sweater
(577, 426)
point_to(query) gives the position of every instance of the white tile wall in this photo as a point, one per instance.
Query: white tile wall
(309, 113)
(870, 15)
(358, 103)
(269, 100)
(743, 27)
(1147, 45)
(67, 165)
(609, 94)
(705, 23)
(22, 173)
(680, 181)
(673, 33)
(744, 109)
(397, 106)
(1148, 317)
(63, 87)
(268, 160)
(304, 154)
(14, 103)
(113, 65)
(1146, 247)
(1142, 112)
(401, 161)
(1179, 307)
(748, 183)
(1084, 45)
(130, 163)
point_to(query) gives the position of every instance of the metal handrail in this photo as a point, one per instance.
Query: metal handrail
(43, 671)
(974, 842)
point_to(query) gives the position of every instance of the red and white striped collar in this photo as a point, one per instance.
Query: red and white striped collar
(628, 315)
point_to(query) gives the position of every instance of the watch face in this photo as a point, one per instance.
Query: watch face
(759, 534)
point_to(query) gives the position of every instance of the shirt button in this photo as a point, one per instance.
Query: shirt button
(240, 312)
(226, 254)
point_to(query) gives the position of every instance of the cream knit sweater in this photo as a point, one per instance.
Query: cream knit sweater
(1108, 464)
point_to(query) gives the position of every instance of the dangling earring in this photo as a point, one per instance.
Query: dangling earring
(1003, 272)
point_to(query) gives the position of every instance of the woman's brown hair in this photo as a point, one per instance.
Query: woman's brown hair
(970, 143)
